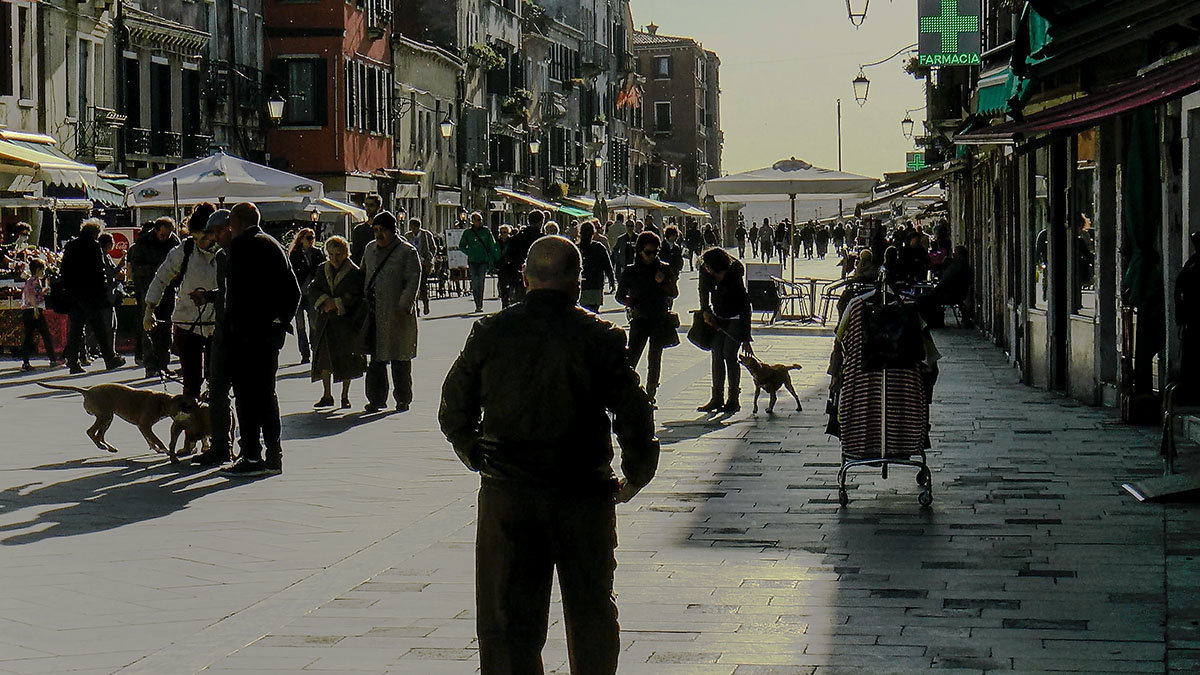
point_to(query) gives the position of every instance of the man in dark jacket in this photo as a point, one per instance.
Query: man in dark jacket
(261, 298)
(647, 288)
(364, 233)
(515, 252)
(83, 277)
(145, 257)
(526, 404)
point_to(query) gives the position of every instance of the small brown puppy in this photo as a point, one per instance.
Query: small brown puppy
(770, 378)
(140, 407)
(196, 426)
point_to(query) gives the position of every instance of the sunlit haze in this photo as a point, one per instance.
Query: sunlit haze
(784, 64)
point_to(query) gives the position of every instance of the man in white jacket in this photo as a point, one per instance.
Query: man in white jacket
(190, 266)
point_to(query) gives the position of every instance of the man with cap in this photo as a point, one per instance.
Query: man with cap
(392, 269)
(219, 367)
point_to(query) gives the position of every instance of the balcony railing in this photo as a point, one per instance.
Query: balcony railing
(552, 106)
(595, 55)
(171, 144)
(137, 141)
(196, 145)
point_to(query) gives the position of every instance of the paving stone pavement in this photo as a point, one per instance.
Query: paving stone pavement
(736, 559)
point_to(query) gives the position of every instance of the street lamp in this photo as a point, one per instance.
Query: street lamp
(446, 128)
(907, 124)
(314, 215)
(673, 172)
(862, 86)
(599, 161)
(535, 146)
(857, 9)
(275, 107)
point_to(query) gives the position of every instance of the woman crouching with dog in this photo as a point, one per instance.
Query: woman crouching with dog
(336, 294)
(726, 307)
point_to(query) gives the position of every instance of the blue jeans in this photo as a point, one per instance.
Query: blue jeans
(478, 277)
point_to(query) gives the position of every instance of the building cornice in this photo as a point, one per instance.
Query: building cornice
(150, 31)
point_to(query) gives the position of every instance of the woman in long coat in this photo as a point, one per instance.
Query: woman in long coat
(336, 296)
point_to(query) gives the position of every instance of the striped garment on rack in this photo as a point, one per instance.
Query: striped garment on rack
(862, 398)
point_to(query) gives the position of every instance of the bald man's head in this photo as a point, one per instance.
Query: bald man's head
(243, 216)
(553, 264)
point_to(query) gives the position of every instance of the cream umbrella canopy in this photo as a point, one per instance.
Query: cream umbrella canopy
(791, 178)
(222, 178)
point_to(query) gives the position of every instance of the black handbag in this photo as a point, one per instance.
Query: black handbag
(891, 335)
(701, 334)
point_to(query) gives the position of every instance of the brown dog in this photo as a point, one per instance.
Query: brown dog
(195, 426)
(139, 407)
(770, 378)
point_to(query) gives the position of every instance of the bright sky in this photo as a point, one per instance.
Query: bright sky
(784, 64)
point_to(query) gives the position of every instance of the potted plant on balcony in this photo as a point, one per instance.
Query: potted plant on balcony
(556, 190)
(481, 55)
(516, 105)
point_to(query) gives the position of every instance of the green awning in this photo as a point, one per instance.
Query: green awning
(574, 212)
(994, 92)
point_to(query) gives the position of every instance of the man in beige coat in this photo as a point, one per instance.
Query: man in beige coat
(392, 269)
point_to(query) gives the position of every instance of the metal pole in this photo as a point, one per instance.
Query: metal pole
(839, 139)
(792, 237)
(175, 197)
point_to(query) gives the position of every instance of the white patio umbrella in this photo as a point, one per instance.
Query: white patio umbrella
(791, 178)
(223, 179)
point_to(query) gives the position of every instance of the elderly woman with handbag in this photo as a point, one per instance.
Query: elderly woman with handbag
(336, 296)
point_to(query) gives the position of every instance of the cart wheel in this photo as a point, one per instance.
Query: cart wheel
(926, 498)
(923, 477)
(843, 498)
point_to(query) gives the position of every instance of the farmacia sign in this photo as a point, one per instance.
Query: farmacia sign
(949, 32)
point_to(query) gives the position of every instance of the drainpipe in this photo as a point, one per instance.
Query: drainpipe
(121, 39)
(234, 100)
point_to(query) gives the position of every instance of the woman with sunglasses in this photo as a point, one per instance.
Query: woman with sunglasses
(726, 307)
(306, 260)
(647, 289)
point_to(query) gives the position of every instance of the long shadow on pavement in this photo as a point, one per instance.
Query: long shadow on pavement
(315, 424)
(129, 491)
(1010, 569)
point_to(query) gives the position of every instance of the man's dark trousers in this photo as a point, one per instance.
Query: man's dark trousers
(377, 382)
(219, 383)
(523, 535)
(92, 315)
(255, 367)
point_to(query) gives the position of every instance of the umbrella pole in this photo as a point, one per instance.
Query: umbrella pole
(792, 238)
(175, 196)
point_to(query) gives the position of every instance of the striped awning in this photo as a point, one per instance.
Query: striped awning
(528, 200)
(44, 167)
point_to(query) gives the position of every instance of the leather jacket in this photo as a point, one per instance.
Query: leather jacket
(527, 400)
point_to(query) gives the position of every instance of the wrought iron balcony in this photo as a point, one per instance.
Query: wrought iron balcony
(196, 145)
(170, 144)
(137, 141)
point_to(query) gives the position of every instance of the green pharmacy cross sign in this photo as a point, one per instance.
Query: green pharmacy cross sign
(949, 32)
(914, 161)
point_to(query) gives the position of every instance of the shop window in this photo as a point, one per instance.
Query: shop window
(1040, 231)
(1083, 232)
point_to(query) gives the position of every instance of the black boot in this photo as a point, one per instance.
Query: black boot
(714, 404)
(734, 403)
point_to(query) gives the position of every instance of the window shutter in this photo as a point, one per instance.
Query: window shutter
(320, 91)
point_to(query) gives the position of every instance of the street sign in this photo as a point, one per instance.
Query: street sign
(914, 161)
(949, 32)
